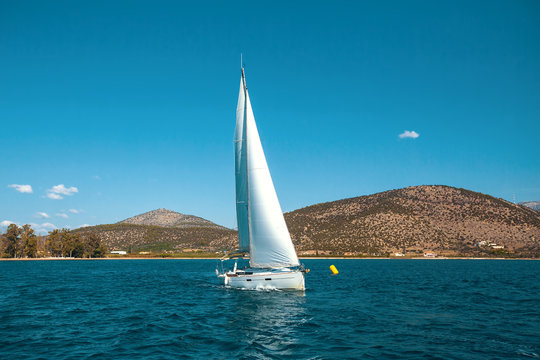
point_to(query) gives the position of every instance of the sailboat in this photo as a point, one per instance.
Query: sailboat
(262, 231)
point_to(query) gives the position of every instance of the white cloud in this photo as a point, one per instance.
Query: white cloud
(409, 135)
(57, 191)
(96, 177)
(42, 215)
(43, 228)
(22, 188)
(62, 215)
(48, 225)
(54, 196)
(74, 211)
(84, 225)
(61, 189)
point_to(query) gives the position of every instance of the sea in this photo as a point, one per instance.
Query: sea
(179, 309)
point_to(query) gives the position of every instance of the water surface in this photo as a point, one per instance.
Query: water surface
(169, 309)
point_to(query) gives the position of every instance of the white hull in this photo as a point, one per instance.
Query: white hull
(283, 279)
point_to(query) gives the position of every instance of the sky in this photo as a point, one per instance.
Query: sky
(109, 109)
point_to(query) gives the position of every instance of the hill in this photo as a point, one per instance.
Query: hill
(413, 220)
(164, 230)
(535, 205)
(170, 219)
(157, 239)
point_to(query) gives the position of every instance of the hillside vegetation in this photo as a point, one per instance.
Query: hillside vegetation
(413, 220)
(136, 238)
(409, 221)
(163, 231)
(171, 219)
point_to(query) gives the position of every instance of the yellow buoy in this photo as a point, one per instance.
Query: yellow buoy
(334, 270)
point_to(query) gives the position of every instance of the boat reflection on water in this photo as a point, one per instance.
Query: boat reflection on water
(266, 323)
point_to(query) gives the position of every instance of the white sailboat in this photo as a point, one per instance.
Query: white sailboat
(262, 231)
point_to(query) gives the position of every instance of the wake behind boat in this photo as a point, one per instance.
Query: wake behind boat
(262, 231)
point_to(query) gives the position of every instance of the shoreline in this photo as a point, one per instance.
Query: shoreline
(301, 258)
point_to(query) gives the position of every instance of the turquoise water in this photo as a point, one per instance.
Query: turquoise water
(169, 309)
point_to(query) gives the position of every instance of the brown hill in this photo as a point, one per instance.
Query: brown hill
(169, 218)
(157, 239)
(413, 220)
(164, 230)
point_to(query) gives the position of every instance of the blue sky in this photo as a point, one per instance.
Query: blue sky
(121, 107)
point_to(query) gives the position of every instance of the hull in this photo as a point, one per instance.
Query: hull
(266, 279)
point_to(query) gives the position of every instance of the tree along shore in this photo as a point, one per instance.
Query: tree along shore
(22, 242)
(209, 257)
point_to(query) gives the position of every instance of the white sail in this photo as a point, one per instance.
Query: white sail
(240, 172)
(270, 243)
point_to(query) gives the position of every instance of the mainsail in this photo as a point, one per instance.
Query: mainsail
(261, 226)
(240, 172)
